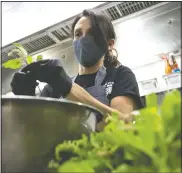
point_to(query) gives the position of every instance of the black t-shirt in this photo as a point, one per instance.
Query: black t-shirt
(119, 81)
(86, 80)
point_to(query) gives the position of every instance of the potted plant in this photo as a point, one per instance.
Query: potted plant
(21, 59)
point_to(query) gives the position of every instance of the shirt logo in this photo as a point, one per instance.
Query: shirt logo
(108, 87)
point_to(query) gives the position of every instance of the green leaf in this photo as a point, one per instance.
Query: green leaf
(39, 57)
(73, 166)
(13, 64)
(146, 130)
(29, 59)
(153, 145)
(21, 48)
(16, 52)
(18, 45)
(151, 100)
(123, 168)
(171, 114)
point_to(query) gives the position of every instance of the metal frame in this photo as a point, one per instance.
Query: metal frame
(31, 38)
(60, 25)
(118, 10)
(47, 48)
(138, 13)
(53, 37)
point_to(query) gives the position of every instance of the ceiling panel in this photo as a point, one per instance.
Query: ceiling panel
(127, 8)
(31, 46)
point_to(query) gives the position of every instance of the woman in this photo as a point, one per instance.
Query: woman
(101, 81)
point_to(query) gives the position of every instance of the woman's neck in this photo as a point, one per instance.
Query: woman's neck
(90, 70)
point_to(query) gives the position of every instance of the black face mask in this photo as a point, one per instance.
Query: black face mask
(87, 51)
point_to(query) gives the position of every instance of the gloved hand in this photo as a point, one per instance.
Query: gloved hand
(23, 83)
(51, 71)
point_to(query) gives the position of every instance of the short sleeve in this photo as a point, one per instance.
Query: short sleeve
(126, 85)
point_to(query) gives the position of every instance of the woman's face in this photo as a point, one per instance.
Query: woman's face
(82, 27)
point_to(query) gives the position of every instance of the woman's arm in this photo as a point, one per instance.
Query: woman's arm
(79, 94)
(125, 96)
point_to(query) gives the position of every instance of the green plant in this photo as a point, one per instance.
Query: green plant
(152, 145)
(22, 57)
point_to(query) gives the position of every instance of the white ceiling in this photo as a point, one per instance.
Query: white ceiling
(22, 19)
(6, 6)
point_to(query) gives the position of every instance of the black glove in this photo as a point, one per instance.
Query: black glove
(51, 71)
(23, 83)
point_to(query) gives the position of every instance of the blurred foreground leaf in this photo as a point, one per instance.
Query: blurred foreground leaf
(13, 64)
(151, 145)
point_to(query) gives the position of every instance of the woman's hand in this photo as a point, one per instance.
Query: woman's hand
(126, 117)
(51, 71)
(23, 83)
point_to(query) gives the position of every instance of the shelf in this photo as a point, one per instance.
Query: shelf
(148, 85)
(161, 84)
(172, 79)
(158, 90)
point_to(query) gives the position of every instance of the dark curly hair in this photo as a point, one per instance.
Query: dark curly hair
(102, 31)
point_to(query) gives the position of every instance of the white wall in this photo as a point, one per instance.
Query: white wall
(155, 70)
(141, 39)
(152, 70)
